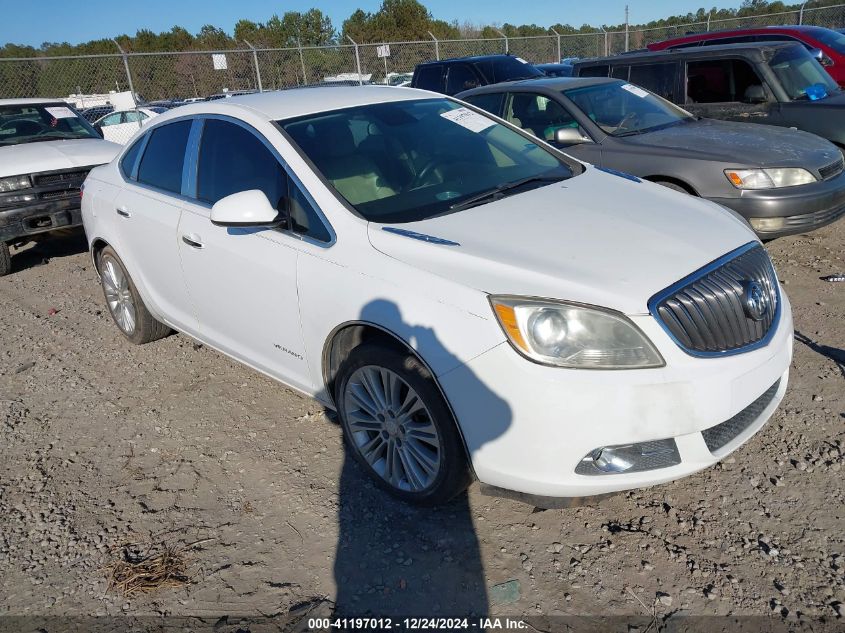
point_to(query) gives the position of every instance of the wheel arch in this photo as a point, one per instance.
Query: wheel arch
(657, 178)
(349, 335)
(97, 246)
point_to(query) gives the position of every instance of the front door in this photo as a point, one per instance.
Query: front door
(243, 280)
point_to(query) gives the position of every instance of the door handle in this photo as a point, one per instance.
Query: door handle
(192, 240)
(123, 212)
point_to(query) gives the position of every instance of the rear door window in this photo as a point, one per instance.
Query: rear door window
(460, 77)
(161, 165)
(620, 72)
(659, 78)
(492, 103)
(429, 78)
(594, 71)
(720, 81)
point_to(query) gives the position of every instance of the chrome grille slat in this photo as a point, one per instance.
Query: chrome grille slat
(705, 313)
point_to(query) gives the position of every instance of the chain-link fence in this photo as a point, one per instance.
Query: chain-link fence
(156, 81)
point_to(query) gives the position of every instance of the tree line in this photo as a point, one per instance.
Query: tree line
(394, 21)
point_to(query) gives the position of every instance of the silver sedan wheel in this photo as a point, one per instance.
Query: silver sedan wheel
(392, 429)
(119, 296)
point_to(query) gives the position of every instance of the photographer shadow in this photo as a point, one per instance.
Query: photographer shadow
(394, 559)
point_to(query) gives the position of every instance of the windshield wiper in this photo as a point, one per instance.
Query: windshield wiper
(501, 191)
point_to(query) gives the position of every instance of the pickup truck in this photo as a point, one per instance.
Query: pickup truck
(46, 150)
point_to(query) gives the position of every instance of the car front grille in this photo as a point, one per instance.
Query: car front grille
(727, 307)
(720, 435)
(831, 171)
(69, 178)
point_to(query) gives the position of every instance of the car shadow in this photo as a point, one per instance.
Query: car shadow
(835, 354)
(394, 559)
(48, 246)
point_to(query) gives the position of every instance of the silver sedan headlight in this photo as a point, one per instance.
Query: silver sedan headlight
(574, 335)
(13, 183)
(769, 178)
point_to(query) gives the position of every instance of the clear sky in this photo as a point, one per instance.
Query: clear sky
(36, 21)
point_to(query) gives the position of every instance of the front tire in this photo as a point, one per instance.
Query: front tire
(125, 304)
(398, 426)
(5, 259)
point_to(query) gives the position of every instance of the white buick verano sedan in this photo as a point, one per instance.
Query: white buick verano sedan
(469, 300)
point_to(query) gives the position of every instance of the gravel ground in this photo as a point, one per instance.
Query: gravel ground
(108, 451)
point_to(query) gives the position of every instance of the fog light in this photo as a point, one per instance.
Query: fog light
(767, 225)
(630, 458)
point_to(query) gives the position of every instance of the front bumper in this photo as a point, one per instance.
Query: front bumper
(40, 217)
(527, 427)
(799, 209)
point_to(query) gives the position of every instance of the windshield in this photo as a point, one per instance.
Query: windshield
(801, 75)
(405, 161)
(29, 123)
(622, 109)
(831, 38)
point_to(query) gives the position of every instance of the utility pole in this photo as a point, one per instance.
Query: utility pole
(626, 28)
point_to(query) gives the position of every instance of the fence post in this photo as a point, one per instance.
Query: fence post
(801, 12)
(507, 44)
(436, 46)
(626, 28)
(257, 69)
(126, 67)
(301, 61)
(357, 60)
(557, 61)
(709, 15)
(603, 30)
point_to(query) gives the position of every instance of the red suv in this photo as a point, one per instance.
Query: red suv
(830, 43)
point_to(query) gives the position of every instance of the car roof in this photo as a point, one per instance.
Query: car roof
(468, 58)
(696, 51)
(296, 102)
(29, 101)
(799, 28)
(543, 84)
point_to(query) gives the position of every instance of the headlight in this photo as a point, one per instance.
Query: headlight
(14, 183)
(769, 178)
(573, 335)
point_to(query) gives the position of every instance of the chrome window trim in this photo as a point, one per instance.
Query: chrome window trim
(658, 298)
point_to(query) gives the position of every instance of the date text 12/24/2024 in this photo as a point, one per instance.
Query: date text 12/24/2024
(416, 624)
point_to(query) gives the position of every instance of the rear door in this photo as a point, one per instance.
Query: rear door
(148, 211)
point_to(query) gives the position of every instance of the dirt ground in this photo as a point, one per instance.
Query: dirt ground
(110, 452)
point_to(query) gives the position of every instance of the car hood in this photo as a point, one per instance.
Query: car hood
(739, 144)
(28, 158)
(596, 238)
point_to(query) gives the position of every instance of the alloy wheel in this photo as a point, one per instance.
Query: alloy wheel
(392, 429)
(119, 296)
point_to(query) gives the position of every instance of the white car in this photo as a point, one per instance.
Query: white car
(469, 300)
(120, 126)
(46, 150)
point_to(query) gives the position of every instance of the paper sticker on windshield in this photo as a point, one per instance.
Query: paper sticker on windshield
(61, 112)
(635, 90)
(519, 59)
(467, 118)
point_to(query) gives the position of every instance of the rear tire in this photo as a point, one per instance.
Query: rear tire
(398, 426)
(125, 304)
(5, 259)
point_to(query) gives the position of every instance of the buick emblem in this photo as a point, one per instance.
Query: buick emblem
(756, 301)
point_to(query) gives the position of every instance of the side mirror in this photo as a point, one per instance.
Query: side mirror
(245, 208)
(570, 136)
(817, 53)
(755, 94)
